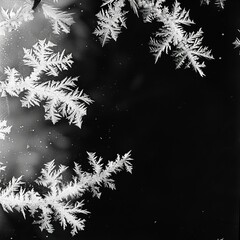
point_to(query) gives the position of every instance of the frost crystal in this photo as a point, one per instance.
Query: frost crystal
(62, 201)
(188, 46)
(219, 3)
(13, 19)
(110, 21)
(60, 20)
(61, 100)
(236, 43)
(4, 129)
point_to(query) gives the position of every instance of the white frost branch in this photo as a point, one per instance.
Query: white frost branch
(110, 21)
(62, 201)
(236, 43)
(59, 97)
(60, 20)
(12, 19)
(4, 129)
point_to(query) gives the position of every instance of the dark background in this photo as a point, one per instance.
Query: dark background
(182, 130)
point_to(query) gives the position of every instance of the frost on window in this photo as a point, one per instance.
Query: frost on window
(39, 83)
(43, 79)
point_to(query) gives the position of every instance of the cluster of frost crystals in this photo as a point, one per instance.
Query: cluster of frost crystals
(56, 203)
(61, 200)
(219, 3)
(13, 18)
(60, 97)
(188, 52)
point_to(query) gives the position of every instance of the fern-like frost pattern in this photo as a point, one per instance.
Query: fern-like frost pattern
(219, 3)
(62, 200)
(59, 97)
(171, 34)
(110, 21)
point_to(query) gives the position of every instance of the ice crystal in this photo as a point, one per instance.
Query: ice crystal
(4, 129)
(219, 3)
(60, 20)
(13, 19)
(61, 100)
(188, 46)
(236, 43)
(110, 21)
(62, 201)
